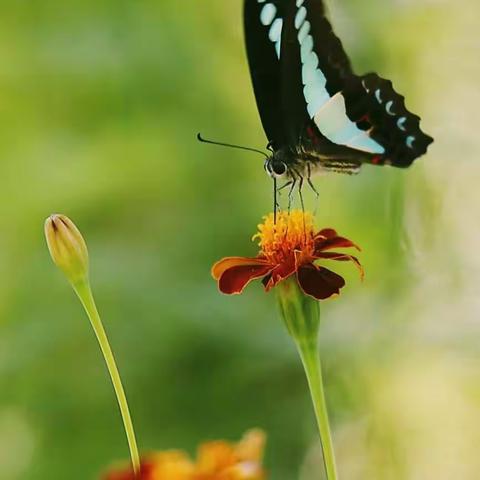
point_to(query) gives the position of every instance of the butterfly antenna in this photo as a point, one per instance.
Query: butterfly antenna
(229, 145)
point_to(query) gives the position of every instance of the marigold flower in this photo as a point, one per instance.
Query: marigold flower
(289, 246)
(218, 460)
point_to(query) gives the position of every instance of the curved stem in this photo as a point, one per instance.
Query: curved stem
(84, 293)
(311, 362)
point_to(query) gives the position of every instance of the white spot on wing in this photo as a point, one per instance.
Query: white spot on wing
(275, 33)
(388, 108)
(278, 47)
(300, 17)
(300, 3)
(268, 13)
(304, 31)
(377, 95)
(306, 48)
(310, 66)
(268, 18)
(401, 123)
(410, 141)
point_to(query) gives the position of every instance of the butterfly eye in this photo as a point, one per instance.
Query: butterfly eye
(279, 168)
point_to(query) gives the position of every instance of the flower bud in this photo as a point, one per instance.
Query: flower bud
(67, 248)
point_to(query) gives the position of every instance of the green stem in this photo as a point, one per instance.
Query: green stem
(301, 315)
(311, 362)
(85, 295)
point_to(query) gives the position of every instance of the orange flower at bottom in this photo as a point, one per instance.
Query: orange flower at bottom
(217, 460)
(289, 246)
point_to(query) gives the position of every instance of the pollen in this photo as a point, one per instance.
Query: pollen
(292, 231)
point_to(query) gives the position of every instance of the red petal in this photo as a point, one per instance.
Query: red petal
(226, 263)
(319, 282)
(343, 257)
(327, 233)
(279, 273)
(328, 238)
(235, 279)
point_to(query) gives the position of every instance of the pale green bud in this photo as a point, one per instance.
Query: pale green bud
(67, 248)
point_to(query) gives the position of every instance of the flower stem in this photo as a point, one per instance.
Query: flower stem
(311, 362)
(84, 292)
(301, 315)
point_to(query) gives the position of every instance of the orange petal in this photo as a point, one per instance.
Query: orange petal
(228, 262)
(172, 465)
(251, 446)
(215, 457)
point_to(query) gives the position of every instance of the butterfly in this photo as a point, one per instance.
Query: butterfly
(318, 115)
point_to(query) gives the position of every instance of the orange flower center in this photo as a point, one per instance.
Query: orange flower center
(291, 231)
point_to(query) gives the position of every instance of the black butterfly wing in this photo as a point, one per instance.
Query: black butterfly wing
(263, 22)
(374, 105)
(330, 112)
(294, 111)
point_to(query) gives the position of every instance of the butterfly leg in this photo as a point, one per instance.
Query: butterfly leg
(284, 186)
(292, 188)
(300, 186)
(300, 194)
(312, 187)
(292, 183)
(278, 192)
(275, 201)
(310, 183)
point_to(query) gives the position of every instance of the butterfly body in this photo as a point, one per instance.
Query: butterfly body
(317, 114)
(305, 162)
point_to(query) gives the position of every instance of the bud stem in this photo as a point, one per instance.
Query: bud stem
(301, 315)
(84, 292)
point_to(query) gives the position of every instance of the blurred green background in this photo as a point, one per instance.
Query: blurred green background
(100, 102)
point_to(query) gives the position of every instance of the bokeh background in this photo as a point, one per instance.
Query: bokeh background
(100, 102)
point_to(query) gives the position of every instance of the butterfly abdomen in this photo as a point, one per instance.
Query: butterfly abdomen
(316, 161)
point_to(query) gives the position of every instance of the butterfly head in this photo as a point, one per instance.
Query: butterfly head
(275, 167)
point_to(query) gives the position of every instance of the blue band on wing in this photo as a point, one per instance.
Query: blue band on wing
(328, 112)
